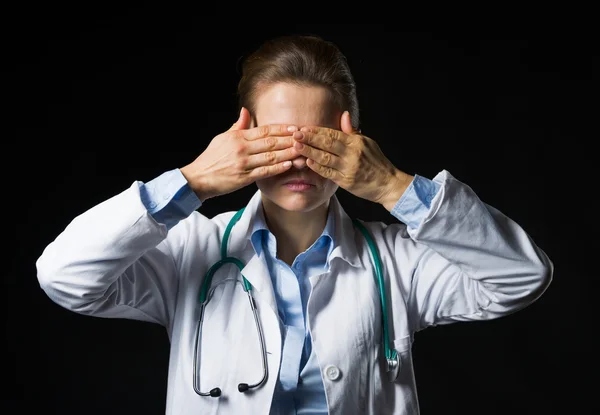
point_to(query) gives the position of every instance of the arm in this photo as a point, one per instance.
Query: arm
(477, 264)
(113, 260)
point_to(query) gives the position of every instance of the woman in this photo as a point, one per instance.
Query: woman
(313, 334)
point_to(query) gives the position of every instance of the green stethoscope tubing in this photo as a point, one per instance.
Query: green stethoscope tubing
(390, 354)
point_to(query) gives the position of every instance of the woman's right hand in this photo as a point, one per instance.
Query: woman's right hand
(240, 156)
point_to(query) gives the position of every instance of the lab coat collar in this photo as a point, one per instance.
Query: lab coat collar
(345, 247)
(256, 269)
(260, 229)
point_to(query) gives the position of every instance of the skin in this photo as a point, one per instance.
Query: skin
(298, 218)
(328, 146)
(302, 126)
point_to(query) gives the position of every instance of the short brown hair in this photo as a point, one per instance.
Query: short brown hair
(302, 60)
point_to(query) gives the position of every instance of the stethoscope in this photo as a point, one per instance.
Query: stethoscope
(391, 355)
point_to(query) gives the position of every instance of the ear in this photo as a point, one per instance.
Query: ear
(346, 124)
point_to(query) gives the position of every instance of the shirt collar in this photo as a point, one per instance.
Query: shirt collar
(339, 228)
(260, 230)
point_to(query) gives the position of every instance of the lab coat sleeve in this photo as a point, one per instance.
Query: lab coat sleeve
(469, 261)
(113, 261)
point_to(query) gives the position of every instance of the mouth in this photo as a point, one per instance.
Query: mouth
(299, 182)
(299, 185)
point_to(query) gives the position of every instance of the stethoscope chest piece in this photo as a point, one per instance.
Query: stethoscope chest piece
(393, 367)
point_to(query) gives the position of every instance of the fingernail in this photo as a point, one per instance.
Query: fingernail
(298, 135)
(292, 128)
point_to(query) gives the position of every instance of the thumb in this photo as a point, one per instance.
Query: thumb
(243, 120)
(346, 124)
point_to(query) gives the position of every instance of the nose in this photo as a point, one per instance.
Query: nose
(299, 163)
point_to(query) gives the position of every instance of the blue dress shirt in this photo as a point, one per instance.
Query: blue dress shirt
(299, 390)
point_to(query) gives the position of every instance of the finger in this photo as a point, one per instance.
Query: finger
(269, 130)
(269, 144)
(324, 171)
(243, 121)
(332, 141)
(346, 123)
(324, 158)
(268, 171)
(271, 157)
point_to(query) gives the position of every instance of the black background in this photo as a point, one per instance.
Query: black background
(100, 98)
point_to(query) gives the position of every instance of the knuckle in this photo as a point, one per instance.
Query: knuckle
(239, 149)
(326, 158)
(270, 142)
(328, 142)
(270, 156)
(263, 130)
(240, 164)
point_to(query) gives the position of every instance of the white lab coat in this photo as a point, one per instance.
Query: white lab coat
(465, 262)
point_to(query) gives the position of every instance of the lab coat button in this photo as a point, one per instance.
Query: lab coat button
(332, 372)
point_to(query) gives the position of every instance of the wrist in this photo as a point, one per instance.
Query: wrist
(398, 185)
(194, 181)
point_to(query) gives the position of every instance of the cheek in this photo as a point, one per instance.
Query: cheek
(265, 183)
(331, 187)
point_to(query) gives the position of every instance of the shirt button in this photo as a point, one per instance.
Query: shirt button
(332, 372)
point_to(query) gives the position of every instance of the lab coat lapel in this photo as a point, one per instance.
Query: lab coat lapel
(257, 273)
(345, 236)
(256, 270)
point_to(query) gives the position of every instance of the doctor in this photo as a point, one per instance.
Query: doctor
(300, 322)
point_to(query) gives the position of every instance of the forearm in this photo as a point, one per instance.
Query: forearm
(486, 246)
(89, 255)
(476, 263)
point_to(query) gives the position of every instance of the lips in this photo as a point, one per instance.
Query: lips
(299, 181)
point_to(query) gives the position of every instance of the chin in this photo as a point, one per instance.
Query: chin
(296, 202)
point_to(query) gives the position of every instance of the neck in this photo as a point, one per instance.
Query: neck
(295, 232)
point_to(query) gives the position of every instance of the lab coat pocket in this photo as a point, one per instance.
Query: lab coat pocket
(378, 387)
(392, 390)
(403, 372)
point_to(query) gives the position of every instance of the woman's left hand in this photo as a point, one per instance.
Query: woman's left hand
(352, 161)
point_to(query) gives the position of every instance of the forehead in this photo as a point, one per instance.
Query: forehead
(285, 103)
